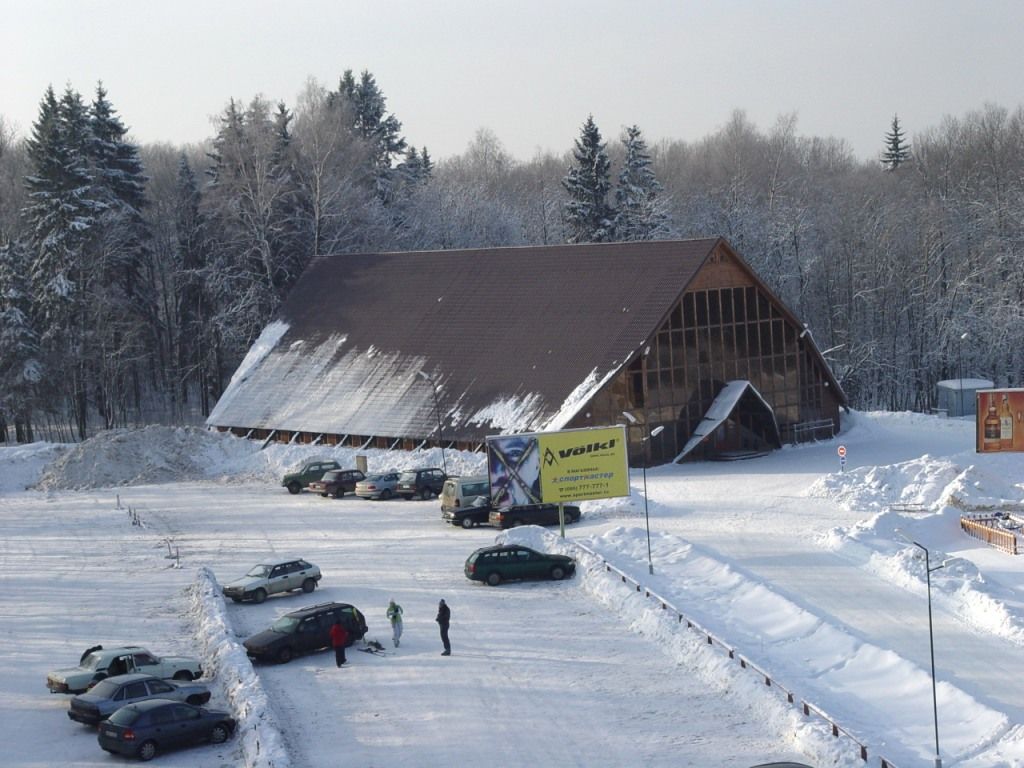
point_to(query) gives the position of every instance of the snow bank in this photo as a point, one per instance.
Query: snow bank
(225, 659)
(944, 488)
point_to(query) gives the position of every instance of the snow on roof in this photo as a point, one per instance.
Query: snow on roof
(964, 383)
(526, 338)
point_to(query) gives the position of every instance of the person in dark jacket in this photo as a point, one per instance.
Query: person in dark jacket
(339, 639)
(444, 616)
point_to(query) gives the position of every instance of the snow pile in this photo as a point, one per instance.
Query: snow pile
(22, 464)
(225, 659)
(158, 454)
(152, 454)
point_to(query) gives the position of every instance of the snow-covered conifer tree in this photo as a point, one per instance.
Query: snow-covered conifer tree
(640, 213)
(589, 216)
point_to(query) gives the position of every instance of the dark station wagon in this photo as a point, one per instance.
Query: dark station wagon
(420, 482)
(304, 631)
(509, 562)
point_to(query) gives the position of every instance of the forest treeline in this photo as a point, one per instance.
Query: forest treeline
(133, 279)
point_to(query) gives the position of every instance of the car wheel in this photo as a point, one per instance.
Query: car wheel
(385, 495)
(467, 523)
(147, 750)
(294, 487)
(425, 494)
(183, 674)
(195, 700)
(557, 573)
(219, 734)
(284, 655)
(308, 585)
(338, 493)
(494, 578)
(259, 595)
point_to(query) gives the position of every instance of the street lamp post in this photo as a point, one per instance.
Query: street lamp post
(960, 370)
(931, 641)
(437, 410)
(647, 519)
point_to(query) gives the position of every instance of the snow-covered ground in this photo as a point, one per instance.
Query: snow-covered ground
(805, 572)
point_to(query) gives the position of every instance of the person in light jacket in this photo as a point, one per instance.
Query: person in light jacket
(395, 617)
(444, 616)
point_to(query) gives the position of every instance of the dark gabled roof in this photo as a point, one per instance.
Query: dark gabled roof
(516, 338)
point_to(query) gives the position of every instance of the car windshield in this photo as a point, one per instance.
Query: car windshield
(92, 661)
(104, 689)
(334, 474)
(259, 570)
(285, 625)
(406, 477)
(377, 478)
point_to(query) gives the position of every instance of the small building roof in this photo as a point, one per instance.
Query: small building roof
(964, 384)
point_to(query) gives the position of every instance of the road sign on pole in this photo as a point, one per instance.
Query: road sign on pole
(841, 450)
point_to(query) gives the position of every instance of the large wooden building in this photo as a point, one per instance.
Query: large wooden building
(406, 349)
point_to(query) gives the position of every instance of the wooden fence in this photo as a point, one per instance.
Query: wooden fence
(989, 528)
(807, 708)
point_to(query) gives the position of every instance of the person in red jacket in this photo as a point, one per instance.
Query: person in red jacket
(339, 639)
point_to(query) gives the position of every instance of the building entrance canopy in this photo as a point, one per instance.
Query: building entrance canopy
(740, 406)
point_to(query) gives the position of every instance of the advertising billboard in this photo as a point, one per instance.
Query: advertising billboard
(555, 467)
(1000, 420)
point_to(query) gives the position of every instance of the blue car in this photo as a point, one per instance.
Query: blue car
(142, 730)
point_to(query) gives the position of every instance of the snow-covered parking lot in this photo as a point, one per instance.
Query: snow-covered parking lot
(792, 563)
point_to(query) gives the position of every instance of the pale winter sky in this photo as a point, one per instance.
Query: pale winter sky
(529, 70)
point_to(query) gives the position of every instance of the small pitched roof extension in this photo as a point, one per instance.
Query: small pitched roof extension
(515, 338)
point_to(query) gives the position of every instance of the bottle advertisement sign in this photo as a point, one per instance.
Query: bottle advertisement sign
(1000, 420)
(555, 467)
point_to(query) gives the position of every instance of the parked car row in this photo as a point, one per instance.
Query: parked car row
(140, 703)
(327, 478)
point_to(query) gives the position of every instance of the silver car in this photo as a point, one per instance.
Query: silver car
(379, 486)
(109, 695)
(270, 578)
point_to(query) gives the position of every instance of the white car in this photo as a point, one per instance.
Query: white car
(98, 663)
(269, 578)
(378, 486)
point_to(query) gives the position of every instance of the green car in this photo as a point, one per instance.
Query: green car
(307, 473)
(509, 562)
